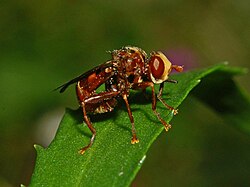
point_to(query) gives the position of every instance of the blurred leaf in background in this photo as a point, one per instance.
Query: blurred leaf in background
(45, 43)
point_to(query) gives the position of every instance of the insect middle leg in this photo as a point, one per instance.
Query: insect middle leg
(95, 99)
(134, 137)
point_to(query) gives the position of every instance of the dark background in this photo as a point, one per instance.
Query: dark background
(45, 43)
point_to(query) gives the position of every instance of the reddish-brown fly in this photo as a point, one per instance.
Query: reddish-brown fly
(129, 68)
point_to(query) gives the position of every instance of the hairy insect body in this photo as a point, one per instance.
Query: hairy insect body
(129, 68)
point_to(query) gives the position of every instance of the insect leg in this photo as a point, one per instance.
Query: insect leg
(134, 138)
(165, 124)
(93, 100)
(92, 129)
(163, 102)
(145, 85)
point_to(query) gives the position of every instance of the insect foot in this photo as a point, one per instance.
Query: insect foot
(167, 127)
(82, 151)
(175, 111)
(134, 140)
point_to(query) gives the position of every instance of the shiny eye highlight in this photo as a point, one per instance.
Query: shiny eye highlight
(159, 67)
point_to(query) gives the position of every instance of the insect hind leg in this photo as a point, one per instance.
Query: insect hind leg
(92, 104)
(90, 126)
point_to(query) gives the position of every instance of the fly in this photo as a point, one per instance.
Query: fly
(129, 68)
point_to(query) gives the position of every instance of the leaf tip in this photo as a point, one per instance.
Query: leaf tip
(22, 185)
(38, 148)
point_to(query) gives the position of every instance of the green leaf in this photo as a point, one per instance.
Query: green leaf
(226, 98)
(113, 160)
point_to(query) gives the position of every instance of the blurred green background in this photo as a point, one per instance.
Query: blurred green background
(45, 43)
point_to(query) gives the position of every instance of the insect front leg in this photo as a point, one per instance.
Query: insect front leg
(175, 111)
(165, 124)
(150, 84)
(134, 137)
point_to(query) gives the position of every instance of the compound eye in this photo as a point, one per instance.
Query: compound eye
(157, 67)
